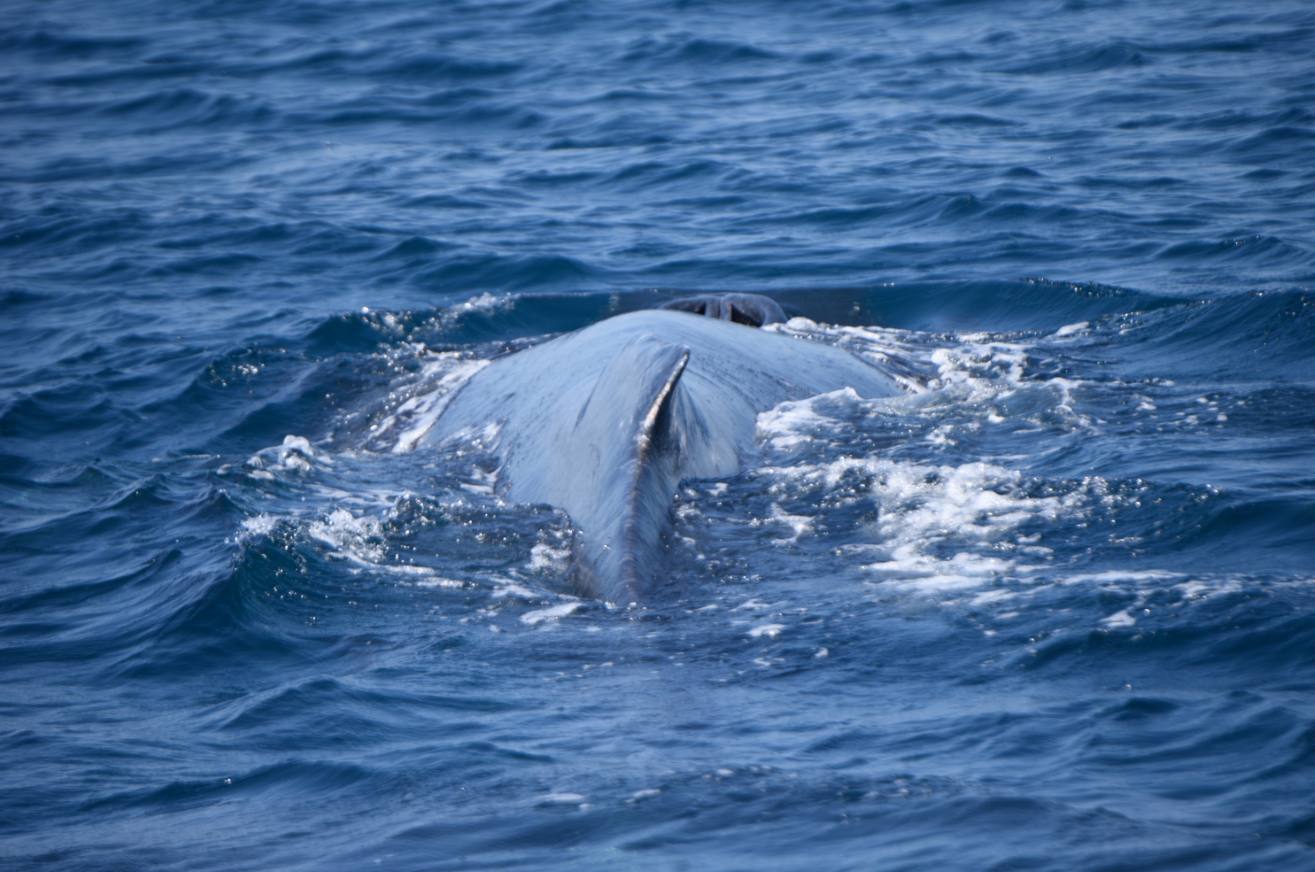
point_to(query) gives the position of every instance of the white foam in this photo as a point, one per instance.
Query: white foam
(482, 482)
(355, 538)
(971, 370)
(979, 372)
(257, 525)
(1113, 575)
(771, 631)
(881, 346)
(688, 512)
(510, 589)
(800, 525)
(787, 425)
(546, 558)
(414, 417)
(796, 324)
(260, 525)
(562, 798)
(484, 302)
(646, 793)
(409, 569)
(1119, 619)
(550, 614)
(975, 508)
(995, 595)
(295, 454)
(1196, 589)
(439, 581)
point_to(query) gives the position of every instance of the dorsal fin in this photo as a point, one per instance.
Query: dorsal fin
(607, 463)
(626, 417)
(658, 408)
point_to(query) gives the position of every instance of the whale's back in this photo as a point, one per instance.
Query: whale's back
(605, 421)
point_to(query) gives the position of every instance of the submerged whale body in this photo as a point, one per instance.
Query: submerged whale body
(606, 421)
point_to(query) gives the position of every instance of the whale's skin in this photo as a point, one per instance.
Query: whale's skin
(605, 422)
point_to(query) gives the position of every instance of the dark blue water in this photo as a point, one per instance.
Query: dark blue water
(1052, 609)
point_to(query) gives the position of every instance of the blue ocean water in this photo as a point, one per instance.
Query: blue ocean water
(1052, 609)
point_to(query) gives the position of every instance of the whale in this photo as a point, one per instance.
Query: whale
(605, 422)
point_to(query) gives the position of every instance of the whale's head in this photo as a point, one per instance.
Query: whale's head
(753, 310)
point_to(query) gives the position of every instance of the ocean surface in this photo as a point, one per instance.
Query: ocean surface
(1052, 608)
